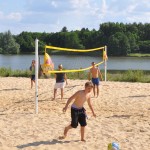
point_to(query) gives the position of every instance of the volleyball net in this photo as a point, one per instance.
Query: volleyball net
(48, 66)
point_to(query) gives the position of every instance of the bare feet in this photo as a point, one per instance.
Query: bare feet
(65, 134)
(62, 137)
(53, 99)
(83, 140)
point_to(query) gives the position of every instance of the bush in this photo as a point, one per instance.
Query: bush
(133, 76)
(130, 76)
(124, 76)
(4, 72)
(7, 72)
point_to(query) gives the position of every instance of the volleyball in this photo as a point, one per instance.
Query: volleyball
(113, 146)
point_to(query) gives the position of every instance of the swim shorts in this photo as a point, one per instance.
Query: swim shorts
(78, 116)
(60, 85)
(33, 77)
(95, 81)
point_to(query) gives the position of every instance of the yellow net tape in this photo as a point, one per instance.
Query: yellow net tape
(73, 50)
(77, 70)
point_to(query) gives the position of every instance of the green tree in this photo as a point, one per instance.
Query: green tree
(144, 46)
(8, 44)
(70, 40)
(73, 41)
(133, 40)
(27, 43)
(120, 38)
(118, 45)
(64, 29)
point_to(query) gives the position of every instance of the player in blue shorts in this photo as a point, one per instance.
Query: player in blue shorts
(96, 77)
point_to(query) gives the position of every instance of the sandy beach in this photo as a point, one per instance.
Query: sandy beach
(122, 109)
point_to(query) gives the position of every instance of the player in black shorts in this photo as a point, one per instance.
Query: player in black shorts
(78, 114)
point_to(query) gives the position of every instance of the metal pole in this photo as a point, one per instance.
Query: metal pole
(105, 64)
(36, 76)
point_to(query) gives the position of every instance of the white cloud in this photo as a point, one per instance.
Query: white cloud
(102, 10)
(131, 8)
(14, 16)
(139, 17)
(104, 7)
(1, 15)
(53, 3)
(80, 4)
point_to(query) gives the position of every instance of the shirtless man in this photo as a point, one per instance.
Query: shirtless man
(96, 74)
(78, 114)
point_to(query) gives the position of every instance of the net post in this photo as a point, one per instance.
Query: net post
(36, 75)
(105, 64)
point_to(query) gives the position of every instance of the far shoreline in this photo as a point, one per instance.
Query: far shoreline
(129, 55)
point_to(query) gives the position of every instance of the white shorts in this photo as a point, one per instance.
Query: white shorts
(60, 85)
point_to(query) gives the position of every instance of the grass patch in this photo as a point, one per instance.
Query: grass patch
(138, 55)
(8, 72)
(112, 75)
(129, 76)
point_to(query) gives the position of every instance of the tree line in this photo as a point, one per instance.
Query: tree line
(121, 40)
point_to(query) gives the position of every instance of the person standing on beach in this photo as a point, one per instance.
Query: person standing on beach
(61, 81)
(32, 69)
(78, 114)
(96, 74)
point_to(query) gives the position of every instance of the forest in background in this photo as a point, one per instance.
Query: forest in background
(120, 39)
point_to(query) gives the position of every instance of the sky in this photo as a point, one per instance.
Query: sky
(52, 15)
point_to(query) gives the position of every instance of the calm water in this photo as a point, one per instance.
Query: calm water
(75, 62)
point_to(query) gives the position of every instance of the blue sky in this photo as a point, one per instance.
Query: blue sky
(52, 15)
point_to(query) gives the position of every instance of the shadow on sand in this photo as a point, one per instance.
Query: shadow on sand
(54, 141)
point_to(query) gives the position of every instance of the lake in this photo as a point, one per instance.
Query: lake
(22, 62)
